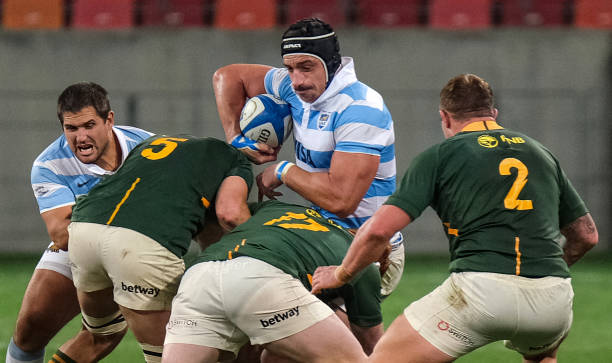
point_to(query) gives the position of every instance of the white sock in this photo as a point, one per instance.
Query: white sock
(15, 355)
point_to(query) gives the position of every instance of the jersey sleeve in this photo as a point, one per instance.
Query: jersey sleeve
(278, 83)
(49, 189)
(417, 188)
(241, 167)
(362, 298)
(571, 206)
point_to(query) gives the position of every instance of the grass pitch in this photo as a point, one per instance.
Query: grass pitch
(590, 339)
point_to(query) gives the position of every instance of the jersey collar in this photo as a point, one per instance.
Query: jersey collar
(482, 125)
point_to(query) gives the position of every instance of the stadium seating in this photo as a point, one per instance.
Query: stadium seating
(33, 14)
(460, 14)
(245, 14)
(593, 13)
(331, 11)
(533, 12)
(389, 13)
(102, 14)
(180, 13)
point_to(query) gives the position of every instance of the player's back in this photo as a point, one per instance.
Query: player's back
(164, 188)
(501, 196)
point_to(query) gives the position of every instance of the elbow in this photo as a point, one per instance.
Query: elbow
(592, 240)
(231, 217)
(342, 208)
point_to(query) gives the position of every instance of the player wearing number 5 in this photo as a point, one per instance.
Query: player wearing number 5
(129, 234)
(505, 204)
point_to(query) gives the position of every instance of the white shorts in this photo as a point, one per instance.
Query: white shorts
(221, 304)
(472, 309)
(55, 260)
(393, 275)
(144, 274)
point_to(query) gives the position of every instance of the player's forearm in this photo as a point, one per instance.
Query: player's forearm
(320, 189)
(230, 97)
(367, 247)
(581, 235)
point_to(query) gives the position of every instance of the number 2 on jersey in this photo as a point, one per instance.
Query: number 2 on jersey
(511, 201)
(169, 146)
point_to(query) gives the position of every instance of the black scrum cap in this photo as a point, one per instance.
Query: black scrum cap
(316, 38)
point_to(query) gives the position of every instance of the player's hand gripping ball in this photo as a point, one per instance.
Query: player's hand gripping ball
(266, 119)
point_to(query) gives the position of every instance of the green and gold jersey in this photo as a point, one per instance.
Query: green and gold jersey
(501, 196)
(164, 188)
(297, 240)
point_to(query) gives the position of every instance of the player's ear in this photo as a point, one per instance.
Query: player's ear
(445, 119)
(495, 112)
(111, 118)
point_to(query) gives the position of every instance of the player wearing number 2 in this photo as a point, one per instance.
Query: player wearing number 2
(505, 203)
(129, 234)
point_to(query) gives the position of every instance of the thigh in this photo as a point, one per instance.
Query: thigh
(402, 343)
(328, 340)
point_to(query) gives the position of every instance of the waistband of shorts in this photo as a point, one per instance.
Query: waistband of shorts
(527, 282)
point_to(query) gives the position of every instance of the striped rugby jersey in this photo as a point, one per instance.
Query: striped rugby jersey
(59, 177)
(349, 117)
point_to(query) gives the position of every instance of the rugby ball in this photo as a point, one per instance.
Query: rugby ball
(266, 119)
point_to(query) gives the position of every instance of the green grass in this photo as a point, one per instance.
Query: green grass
(589, 340)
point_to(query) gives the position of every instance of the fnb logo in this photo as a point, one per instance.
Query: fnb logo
(513, 140)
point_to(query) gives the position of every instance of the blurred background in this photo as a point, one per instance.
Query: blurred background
(549, 63)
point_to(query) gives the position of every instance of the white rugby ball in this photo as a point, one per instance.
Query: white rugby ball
(266, 119)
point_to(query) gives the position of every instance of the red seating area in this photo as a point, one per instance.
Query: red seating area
(266, 14)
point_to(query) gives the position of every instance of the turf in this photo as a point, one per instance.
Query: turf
(589, 339)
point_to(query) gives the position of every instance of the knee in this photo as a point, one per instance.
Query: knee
(27, 331)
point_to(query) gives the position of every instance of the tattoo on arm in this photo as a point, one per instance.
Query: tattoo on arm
(581, 235)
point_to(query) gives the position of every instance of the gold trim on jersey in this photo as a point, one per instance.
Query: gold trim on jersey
(451, 231)
(125, 197)
(517, 242)
(482, 125)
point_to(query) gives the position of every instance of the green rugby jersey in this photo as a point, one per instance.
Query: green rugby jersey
(297, 240)
(164, 188)
(501, 196)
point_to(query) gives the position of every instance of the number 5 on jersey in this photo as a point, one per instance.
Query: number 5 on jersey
(169, 146)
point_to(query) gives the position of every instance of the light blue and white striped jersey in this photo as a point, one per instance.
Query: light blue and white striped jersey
(349, 117)
(59, 177)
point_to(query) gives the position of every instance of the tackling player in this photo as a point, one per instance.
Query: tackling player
(254, 285)
(90, 147)
(505, 204)
(129, 233)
